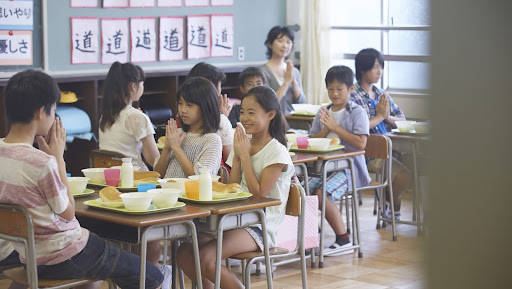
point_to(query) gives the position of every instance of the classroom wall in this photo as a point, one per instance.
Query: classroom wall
(252, 21)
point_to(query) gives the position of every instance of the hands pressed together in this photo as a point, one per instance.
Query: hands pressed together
(224, 104)
(382, 108)
(173, 137)
(241, 144)
(327, 119)
(54, 142)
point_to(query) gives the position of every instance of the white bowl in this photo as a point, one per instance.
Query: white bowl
(165, 198)
(135, 168)
(77, 184)
(421, 127)
(215, 178)
(319, 143)
(306, 108)
(404, 125)
(95, 174)
(179, 183)
(292, 137)
(137, 201)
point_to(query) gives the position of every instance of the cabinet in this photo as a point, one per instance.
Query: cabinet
(160, 90)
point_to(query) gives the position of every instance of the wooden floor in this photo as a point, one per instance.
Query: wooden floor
(385, 264)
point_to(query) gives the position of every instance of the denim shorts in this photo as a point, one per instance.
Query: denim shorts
(257, 234)
(12, 259)
(101, 260)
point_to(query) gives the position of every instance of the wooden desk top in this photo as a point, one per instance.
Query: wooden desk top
(394, 136)
(237, 206)
(185, 213)
(303, 158)
(345, 153)
(300, 117)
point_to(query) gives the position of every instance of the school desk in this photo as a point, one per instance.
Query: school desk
(414, 142)
(140, 229)
(331, 162)
(300, 121)
(232, 215)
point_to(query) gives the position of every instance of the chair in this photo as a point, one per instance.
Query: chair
(105, 159)
(380, 147)
(295, 207)
(224, 175)
(16, 226)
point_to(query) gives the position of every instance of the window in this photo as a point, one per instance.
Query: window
(400, 29)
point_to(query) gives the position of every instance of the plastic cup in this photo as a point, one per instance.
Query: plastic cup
(112, 177)
(145, 187)
(302, 142)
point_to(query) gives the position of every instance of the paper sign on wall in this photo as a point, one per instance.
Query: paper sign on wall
(84, 3)
(142, 3)
(198, 36)
(222, 2)
(143, 46)
(16, 15)
(115, 3)
(114, 40)
(196, 3)
(84, 40)
(171, 38)
(16, 47)
(169, 3)
(222, 35)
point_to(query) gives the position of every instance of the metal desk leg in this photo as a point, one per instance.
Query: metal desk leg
(355, 208)
(265, 249)
(322, 216)
(304, 168)
(143, 253)
(195, 246)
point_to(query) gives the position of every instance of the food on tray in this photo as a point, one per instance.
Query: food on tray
(171, 181)
(161, 140)
(335, 141)
(226, 188)
(110, 194)
(148, 176)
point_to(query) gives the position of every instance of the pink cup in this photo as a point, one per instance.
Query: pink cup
(112, 177)
(302, 142)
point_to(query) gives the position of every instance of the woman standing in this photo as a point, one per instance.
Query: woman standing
(282, 76)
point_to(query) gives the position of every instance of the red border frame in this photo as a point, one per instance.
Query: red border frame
(127, 5)
(71, 40)
(131, 42)
(207, 4)
(211, 30)
(227, 5)
(71, 5)
(184, 38)
(101, 36)
(163, 6)
(130, 4)
(210, 23)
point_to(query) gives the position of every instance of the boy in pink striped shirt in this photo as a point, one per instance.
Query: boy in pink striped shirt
(36, 179)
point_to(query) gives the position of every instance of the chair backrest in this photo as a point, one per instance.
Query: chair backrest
(293, 206)
(105, 159)
(224, 175)
(378, 147)
(16, 226)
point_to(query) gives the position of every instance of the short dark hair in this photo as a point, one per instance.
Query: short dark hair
(26, 92)
(208, 71)
(275, 33)
(267, 98)
(202, 92)
(251, 72)
(116, 93)
(365, 60)
(341, 73)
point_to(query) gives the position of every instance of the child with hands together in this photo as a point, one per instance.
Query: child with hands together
(347, 121)
(197, 145)
(263, 167)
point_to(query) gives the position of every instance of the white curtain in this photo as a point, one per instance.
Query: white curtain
(315, 49)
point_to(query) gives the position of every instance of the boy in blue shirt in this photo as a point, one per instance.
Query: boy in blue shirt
(347, 121)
